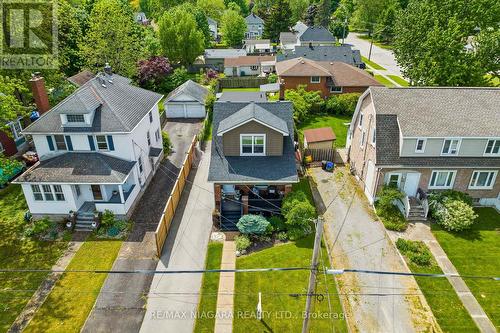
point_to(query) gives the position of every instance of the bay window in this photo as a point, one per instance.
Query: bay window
(252, 144)
(442, 179)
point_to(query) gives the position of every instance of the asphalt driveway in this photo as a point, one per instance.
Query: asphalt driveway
(374, 303)
(120, 306)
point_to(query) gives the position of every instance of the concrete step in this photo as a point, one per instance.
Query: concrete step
(417, 219)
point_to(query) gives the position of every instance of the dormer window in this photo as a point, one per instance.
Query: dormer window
(75, 118)
(252, 144)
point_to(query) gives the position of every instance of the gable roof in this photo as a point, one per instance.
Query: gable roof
(288, 38)
(253, 19)
(342, 53)
(316, 34)
(300, 67)
(224, 53)
(257, 41)
(252, 112)
(191, 88)
(299, 27)
(120, 106)
(247, 60)
(319, 134)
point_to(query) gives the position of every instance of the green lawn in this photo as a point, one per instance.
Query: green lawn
(372, 64)
(335, 122)
(71, 300)
(240, 89)
(282, 306)
(17, 252)
(209, 289)
(384, 81)
(448, 309)
(382, 45)
(476, 252)
(303, 185)
(399, 80)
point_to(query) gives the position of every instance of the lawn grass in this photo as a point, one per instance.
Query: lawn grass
(281, 305)
(448, 309)
(335, 122)
(475, 252)
(70, 302)
(240, 89)
(209, 289)
(303, 185)
(372, 64)
(383, 80)
(382, 45)
(17, 252)
(399, 80)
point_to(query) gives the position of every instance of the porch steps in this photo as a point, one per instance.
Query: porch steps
(229, 219)
(84, 221)
(416, 213)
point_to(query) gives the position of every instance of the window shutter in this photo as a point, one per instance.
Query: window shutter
(50, 142)
(111, 145)
(91, 142)
(69, 144)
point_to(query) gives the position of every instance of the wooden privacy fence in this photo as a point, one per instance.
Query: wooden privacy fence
(242, 82)
(319, 155)
(175, 196)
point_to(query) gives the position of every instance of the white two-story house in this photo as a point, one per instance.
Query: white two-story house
(98, 149)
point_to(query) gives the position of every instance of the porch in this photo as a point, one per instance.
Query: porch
(106, 197)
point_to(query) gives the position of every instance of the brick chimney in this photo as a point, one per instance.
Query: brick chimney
(39, 93)
(282, 90)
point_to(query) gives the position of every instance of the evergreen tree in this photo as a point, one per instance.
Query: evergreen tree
(278, 20)
(310, 15)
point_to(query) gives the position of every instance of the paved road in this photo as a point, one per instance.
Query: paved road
(361, 243)
(185, 248)
(114, 310)
(381, 56)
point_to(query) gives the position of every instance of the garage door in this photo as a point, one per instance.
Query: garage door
(195, 111)
(175, 110)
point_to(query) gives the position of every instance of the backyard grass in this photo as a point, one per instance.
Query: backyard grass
(240, 89)
(209, 289)
(476, 252)
(335, 122)
(372, 64)
(303, 185)
(399, 80)
(383, 80)
(282, 307)
(17, 252)
(448, 309)
(70, 302)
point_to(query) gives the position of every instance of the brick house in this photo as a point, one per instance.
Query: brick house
(328, 78)
(427, 139)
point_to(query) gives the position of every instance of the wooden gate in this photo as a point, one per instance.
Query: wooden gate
(319, 155)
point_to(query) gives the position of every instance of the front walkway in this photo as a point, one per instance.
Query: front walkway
(422, 232)
(373, 303)
(173, 299)
(225, 299)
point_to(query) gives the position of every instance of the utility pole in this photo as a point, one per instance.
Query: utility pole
(343, 31)
(314, 272)
(370, 53)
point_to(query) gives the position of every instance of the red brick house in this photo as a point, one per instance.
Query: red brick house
(328, 78)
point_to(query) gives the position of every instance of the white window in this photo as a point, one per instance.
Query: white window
(315, 79)
(254, 68)
(450, 147)
(16, 128)
(442, 179)
(58, 192)
(148, 137)
(360, 123)
(157, 135)
(60, 142)
(37, 194)
(420, 146)
(150, 116)
(483, 179)
(102, 143)
(75, 118)
(394, 180)
(492, 147)
(140, 164)
(336, 90)
(363, 138)
(78, 190)
(252, 144)
(374, 137)
(47, 192)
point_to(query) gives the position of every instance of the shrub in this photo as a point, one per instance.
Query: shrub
(290, 200)
(167, 144)
(178, 77)
(242, 242)
(252, 224)
(298, 213)
(39, 227)
(343, 104)
(389, 214)
(455, 215)
(272, 78)
(304, 102)
(416, 251)
(277, 222)
(282, 236)
(108, 219)
(387, 195)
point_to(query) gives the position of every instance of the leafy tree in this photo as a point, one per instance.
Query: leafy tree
(298, 8)
(278, 20)
(117, 43)
(384, 30)
(180, 39)
(69, 32)
(201, 20)
(178, 77)
(431, 36)
(298, 213)
(323, 13)
(153, 71)
(252, 224)
(233, 27)
(343, 104)
(242, 4)
(261, 8)
(212, 8)
(304, 102)
(367, 13)
(310, 15)
(11, 105)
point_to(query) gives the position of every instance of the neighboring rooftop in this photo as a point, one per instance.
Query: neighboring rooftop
(270, 87)
(299, 28)
(342, 53)
(119, 106)
(224, 53)
(319, 134)
(253, 19)
(288, 38)
(191, 88)
(240, 169)
(87, 168)
(316, 34)
(243, 96)
(247, 61)
(81, 78)
(256, 41)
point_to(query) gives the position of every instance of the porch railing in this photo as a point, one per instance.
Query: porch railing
(403, 205)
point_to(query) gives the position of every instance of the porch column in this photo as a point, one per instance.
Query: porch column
(244, 202)
(120, 190)
(217, 196)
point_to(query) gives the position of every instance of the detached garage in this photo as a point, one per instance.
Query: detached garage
(187, 101)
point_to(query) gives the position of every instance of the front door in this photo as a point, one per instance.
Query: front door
(411, 183)
(96, 192)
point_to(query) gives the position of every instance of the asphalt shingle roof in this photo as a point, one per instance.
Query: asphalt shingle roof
(254, 19)
(191, 88)
(343, 53)
(88, 168)
(119, 105)
(253, 169)
(316, 34)
(243, 96)
(249, 112)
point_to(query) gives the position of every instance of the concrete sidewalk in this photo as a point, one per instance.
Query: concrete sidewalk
(173, 299)
(225, 300)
